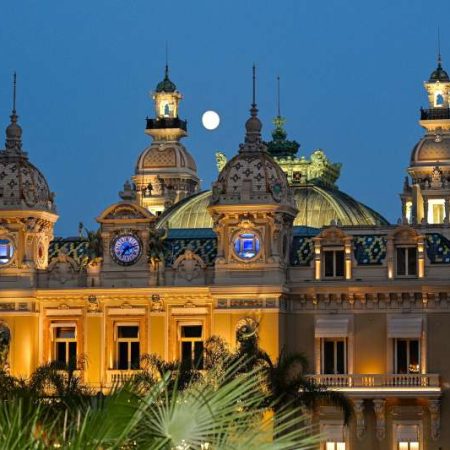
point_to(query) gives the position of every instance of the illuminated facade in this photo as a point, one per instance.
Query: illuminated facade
(275, 243)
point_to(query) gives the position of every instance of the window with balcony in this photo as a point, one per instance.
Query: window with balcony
(334, 356)
(127, 347)
(407, 356)
(334, 263)
(406, 261)
(65, 345)
(191, 346)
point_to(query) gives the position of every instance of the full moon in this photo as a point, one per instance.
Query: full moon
(210, 120)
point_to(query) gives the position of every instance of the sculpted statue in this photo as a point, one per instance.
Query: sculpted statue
(156, 248)
(5, 339)
(221, 160)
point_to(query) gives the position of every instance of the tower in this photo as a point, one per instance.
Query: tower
(427, 198)
(165, 171)
(27, 211)
(253, 211)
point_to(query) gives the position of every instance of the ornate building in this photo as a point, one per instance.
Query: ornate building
(275, 243)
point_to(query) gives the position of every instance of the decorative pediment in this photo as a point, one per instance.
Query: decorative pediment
(404, 234)
(189, 265)
(332, 236)
(125, 211)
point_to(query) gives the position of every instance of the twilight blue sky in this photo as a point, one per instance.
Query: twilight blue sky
(351, 72)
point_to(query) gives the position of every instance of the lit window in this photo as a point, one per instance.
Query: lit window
(334, 356)
(191, 346)
(407, 436)
(333, 263)
(406, 261)
(407, 356)
(408, 212)
(335, 446)
(127, 347)
(246, 245)
(65, 346)
(6, 251)
(436, 211)
(439, 99)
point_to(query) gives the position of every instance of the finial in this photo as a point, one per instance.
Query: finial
(167, 59)
(278, 97)
(14, 93)
(254, 87)
(439, 47)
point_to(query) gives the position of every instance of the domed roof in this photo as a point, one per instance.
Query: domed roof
(431, 148)
(252, 176)
(22, 185)
(317, 207)
(167, 155)
(439, 74)
(166, 85)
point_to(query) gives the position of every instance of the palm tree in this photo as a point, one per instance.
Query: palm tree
(284, 382)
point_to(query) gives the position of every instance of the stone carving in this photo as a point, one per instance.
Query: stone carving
(221, 160)
(436, 178)
(63, 268)
(93, 304)
(358, 405)
(380, 414)
(435, 414)
(189, 265)
(156, 304)
(5, 340)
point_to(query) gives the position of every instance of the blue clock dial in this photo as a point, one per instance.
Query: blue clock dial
(126, 249)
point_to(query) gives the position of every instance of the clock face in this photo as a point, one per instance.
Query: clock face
(126, 249)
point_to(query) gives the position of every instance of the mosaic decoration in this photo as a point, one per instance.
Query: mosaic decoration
(438, 248)
(369, 249)
(302, 251)
(206, 248)
(75, 248)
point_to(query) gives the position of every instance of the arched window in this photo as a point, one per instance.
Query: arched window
(439, 99)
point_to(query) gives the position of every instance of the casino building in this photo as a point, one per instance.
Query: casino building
(274, 245)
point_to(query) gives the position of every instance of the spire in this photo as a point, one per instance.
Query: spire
(439, 74)
(166, 85)
(439, 48)
(280, 146)
(253, 125)
(14, 131)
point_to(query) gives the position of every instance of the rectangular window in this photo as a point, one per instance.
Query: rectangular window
(65, 346)
(127, 347)
(334, 356)
(192, 346)
(335, 446)
(407, 356)
(406, 261)
(334, 263)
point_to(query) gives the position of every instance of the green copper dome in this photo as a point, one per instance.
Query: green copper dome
(166, 85)
(318, 206)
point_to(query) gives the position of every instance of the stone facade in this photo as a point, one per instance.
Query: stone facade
(367, 303)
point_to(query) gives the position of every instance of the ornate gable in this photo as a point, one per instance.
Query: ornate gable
(125, 211)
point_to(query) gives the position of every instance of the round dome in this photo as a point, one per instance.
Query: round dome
(318, 206)
(439, 74)
(255, 172)
(431, 148)
(22, 185)
(168, 155)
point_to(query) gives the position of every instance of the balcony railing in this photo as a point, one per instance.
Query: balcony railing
(166, 122)
(385, 381)
(434, 114)
(115, 376)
